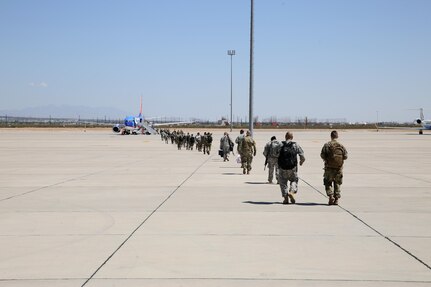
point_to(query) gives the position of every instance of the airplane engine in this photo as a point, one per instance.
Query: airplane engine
(418, 121)
(117, 128)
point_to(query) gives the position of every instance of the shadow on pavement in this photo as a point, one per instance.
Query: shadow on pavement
(256, 182)
(261, 202)
(298, 203)
(310, 204)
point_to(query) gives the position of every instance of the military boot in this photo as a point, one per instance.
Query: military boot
(335, 201)
(331, 200)
(286, 200)
(292, 199)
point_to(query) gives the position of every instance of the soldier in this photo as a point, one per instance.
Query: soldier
(225, 144)
(271, 152)
(247, 149)
(333, 154)
(237, 141)
(198, 141)
(288, 167)
(208, 139)
(187, 141)
(173, 136)
(180, 140)
(191, 142)
(204, 142)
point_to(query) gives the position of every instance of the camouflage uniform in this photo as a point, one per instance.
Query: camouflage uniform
(247, 150)
(198, 140)
(333, 175)
(286, 175)
(207, 141)
(204, 143)
(238, 140)
(225, 143)
(180, 140)
(271, 152)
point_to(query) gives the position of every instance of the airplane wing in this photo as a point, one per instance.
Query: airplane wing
(150, 127)
(171, 124)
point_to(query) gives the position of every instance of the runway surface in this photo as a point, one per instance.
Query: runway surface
(92, 208)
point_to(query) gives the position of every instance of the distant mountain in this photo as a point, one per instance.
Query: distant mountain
(65, 111)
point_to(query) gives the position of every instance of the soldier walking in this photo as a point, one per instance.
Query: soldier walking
(247, 149)
(198, 140)
(333, 154)
(225, 144)
(288, 167)
(271, 152)
(207, 141)
(238, 140)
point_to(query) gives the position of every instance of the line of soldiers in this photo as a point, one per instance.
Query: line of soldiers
(280, 156)
(189, 141)
(283, 158)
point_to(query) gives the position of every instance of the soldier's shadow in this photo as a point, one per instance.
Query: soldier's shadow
(256, 182)
(270, 203)
(261, 202)
(310, 204)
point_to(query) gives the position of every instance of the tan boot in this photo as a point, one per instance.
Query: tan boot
(331, 200)
(292, 199)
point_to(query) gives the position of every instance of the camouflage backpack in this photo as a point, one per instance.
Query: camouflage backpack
(273, 149)
(336, 155)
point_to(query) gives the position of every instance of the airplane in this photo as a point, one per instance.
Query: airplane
(137, 124)
(426, 124)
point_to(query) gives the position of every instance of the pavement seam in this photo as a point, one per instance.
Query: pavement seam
(394, 173)
(144, 221)
(59, 183)
(373, 229)
(220, 279)
(51, 185)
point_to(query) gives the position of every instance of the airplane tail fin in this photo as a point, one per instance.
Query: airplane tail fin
(422, 114)
(140, 109)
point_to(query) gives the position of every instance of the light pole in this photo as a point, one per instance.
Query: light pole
(231, 53)
(251, 71)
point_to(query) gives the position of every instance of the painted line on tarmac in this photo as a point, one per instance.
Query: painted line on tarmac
(372, 228)
(394, 173)
(145, 220)
(49, 186)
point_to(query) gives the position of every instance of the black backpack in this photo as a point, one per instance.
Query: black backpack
(288, 156)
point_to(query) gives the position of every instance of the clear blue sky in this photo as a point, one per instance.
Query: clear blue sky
(324, 59)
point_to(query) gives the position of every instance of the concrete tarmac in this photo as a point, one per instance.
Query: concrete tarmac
(91, 208)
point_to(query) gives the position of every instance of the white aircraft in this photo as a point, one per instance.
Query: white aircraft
(426, 124)
(137, 124)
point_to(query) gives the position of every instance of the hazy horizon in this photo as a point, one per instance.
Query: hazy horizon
(361, 61)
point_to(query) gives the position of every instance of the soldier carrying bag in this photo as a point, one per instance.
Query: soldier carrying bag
(335, 158)
(288, 156)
